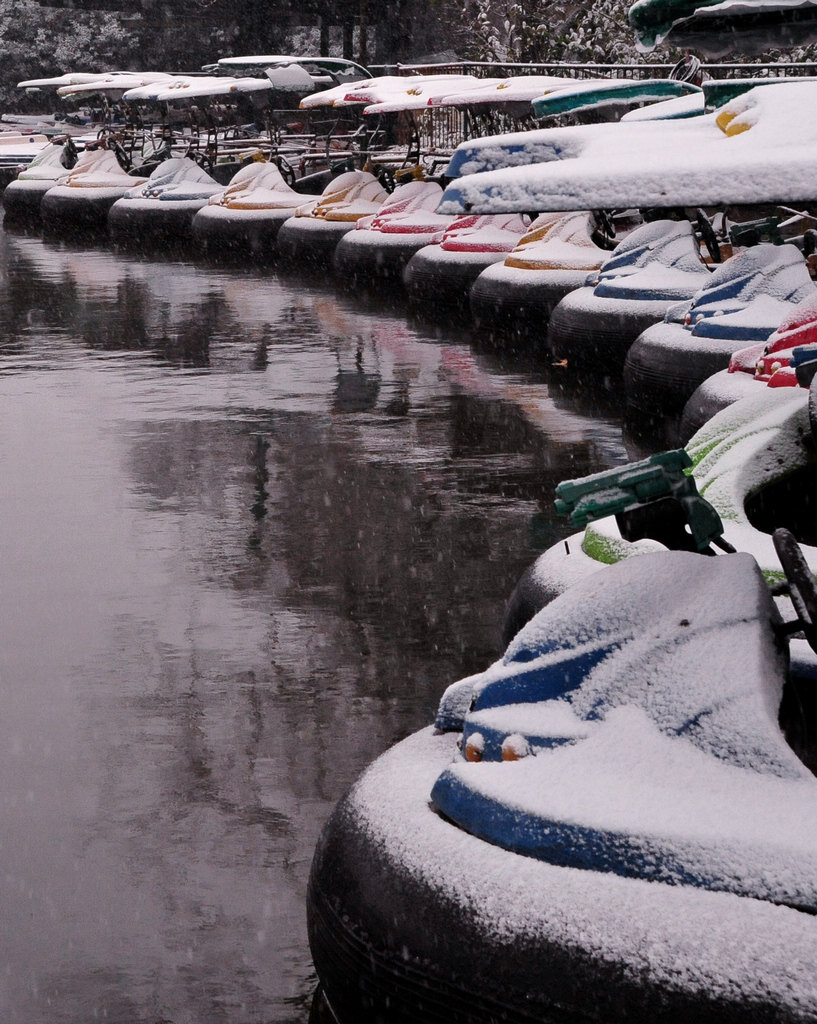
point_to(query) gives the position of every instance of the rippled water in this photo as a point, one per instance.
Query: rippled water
(250, 528)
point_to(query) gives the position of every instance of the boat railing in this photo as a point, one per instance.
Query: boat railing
(637, 71)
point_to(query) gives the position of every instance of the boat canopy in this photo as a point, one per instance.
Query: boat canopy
(328, 70)
(759, 148)
(722, 25)
(583, 96)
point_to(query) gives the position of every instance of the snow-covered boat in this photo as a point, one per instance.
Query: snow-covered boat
(554, 257)
(22, 196)
(381, 244)
(656, 266)
(84, 196)
(772, 363)
(162, 209)
(440, 275)
(17, 151)
(743, 301)
(753, 461)
(309, 236)
(606, 824)
(244, 218)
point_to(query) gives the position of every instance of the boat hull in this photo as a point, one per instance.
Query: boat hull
(220, 231)
(595, 332)
(666, 364)
(437, 277)
(140, 221)
(311, 241)
(363, 255)
(22, 199)
(403, 927)
(504, 297)
(65, 209)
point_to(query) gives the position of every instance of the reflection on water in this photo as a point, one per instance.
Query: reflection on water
(249, 530)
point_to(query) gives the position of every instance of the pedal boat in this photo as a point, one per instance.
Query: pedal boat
(772, 363)
(555, 256)
(81, 200)
(308, 238)
(744, 301)
(653, 268)
(606, 824)
(754, 461)
(440, 275)
(381, 244)
(246, 216)
(22, 196)
(162, 209)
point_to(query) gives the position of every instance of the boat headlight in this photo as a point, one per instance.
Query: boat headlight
(515, 747)
(474, 747)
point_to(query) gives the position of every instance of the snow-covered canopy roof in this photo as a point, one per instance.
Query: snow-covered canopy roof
(417, 95)
(496, 92)
(389, 93)
(75, 78)
(116, 82)
(178, 87)
(690, 105)
(356, 94)
(340, 67)
(653, 20)
(758, 148)
(609, 92)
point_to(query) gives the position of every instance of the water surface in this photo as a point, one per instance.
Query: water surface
(250, 528)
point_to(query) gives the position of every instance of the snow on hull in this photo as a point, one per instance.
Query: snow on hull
(483, 931)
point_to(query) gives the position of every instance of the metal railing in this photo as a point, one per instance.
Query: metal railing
(488, 69)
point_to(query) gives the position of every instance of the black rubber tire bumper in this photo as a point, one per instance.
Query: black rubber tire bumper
(594, 333)
(65, 209)
(361, 256)
(135, 222)
(443, 277)
(22, 199)
(512, 298)
(310, 241)
(666, 364)
(220, 231)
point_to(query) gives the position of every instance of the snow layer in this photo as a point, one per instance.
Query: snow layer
(756, 440)
(177, 179)
(99, 169)
(758, 148)
(648, 805)
(676, 938)
(556, 241)
(258, 187)
(409, 210)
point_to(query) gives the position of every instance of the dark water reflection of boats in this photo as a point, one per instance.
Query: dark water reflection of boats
(249, 530)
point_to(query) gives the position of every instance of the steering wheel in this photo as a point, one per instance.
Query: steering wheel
(800, 585)
(122, 156)
(385, 176)
(687, 69)
(605, 230)
(710, 239)
(203, 159)
(287, 171)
